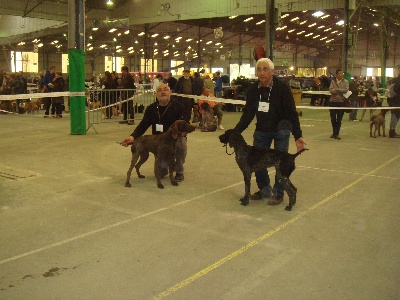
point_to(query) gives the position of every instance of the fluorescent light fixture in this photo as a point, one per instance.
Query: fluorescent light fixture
(248, 19)
(318, 13)
(112, 30)
(316, 36)
(340, 23)
(291, 30)
(260, 22)
(95, 28)
(127, 32)
(154, 35)
(304, 22)
(232, 17)
(110, 2)
(294, 19)
(324, 17)
(140, 34)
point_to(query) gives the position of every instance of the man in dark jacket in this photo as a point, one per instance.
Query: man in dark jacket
(127, 82)
(160, 115)
(185, 86)
(270, 100)
(48, 82)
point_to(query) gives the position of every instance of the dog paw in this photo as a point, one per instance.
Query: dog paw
(141, 176)
(288, 208)
(127, 184)
(160, 186)
(174, 183)
(244, 201)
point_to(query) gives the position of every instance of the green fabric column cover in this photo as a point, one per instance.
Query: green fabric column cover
(77, 84)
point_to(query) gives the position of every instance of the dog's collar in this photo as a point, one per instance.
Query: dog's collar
(226, 149)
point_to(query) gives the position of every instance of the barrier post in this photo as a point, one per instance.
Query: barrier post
(77, 84)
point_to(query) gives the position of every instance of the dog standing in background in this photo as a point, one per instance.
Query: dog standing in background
(378, 121)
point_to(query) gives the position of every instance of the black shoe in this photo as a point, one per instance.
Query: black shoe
(179, 177)
(164, 172)
(123, 122)
(332, 136)
(275, 200)
(338, 137)
(131, 123)
(256, 196)
(393, 134)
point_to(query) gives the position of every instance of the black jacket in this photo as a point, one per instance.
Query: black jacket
(282, 110)
(154, 114)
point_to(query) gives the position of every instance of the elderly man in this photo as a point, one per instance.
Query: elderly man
(160, 115)
(270, 100)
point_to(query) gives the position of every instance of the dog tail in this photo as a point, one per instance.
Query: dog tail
(300, 152)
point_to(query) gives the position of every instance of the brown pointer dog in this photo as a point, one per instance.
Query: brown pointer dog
(378, 121)
(162, 146)
(251, 159)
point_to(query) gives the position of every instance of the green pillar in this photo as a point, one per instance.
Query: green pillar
(77, 84)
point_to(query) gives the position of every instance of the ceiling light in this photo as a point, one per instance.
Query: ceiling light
(262, 21)
(232, 17)
(248, 19)
(284, 16)
(294, 19)
(324, 17)
(110, 2)
(95, 28)
(376, 25)
(315, 36)
(40, 45)
(166, 37)
(291, 30)
(112, 30)
(127, 32)
(209, 42)
(324, 38)
(140, 34)
(318, 13)
(340, 23)
(301, 32)
(154, 35)
(322, 26)
(131, 51)
(188, 40)
(21, 43)
(312, 25)
(304, 22)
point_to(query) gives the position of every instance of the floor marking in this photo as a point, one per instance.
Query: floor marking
(81, 236)
(250, 245)
(348, 172)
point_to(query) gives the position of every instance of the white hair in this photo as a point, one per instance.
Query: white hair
(266, 60)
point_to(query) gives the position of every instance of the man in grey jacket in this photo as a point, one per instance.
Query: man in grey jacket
(339, 86)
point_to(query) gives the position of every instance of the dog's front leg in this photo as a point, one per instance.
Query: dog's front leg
(247, 180)
(157, 172)
(135, 157)
(171, 166)
(383, 128)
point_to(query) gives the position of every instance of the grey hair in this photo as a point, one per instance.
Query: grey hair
(268, 61)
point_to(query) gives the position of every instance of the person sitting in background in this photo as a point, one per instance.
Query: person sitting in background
(371, 100)
(208, 121)
(215, 106)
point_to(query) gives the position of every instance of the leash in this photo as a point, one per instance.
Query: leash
(226, 149)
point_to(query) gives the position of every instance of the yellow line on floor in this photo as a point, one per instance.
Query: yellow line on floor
(250, 245)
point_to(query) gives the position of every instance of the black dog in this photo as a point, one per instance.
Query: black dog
(251, 159)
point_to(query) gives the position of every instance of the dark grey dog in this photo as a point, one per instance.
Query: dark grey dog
(251, 159)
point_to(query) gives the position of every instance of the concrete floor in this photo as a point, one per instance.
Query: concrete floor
(71, 230)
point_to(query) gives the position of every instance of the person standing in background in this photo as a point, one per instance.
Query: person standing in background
(127, 83)
(185, 86)
(48, 79)
(338, 87)
(354, 88)
(218, 84)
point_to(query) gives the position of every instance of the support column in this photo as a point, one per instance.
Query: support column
(345, 47)
(269, 28)
(76, 56)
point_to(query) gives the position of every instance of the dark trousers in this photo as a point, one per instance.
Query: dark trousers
(47, 104)
(336, 116)
(264, 140)
(127, 107)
